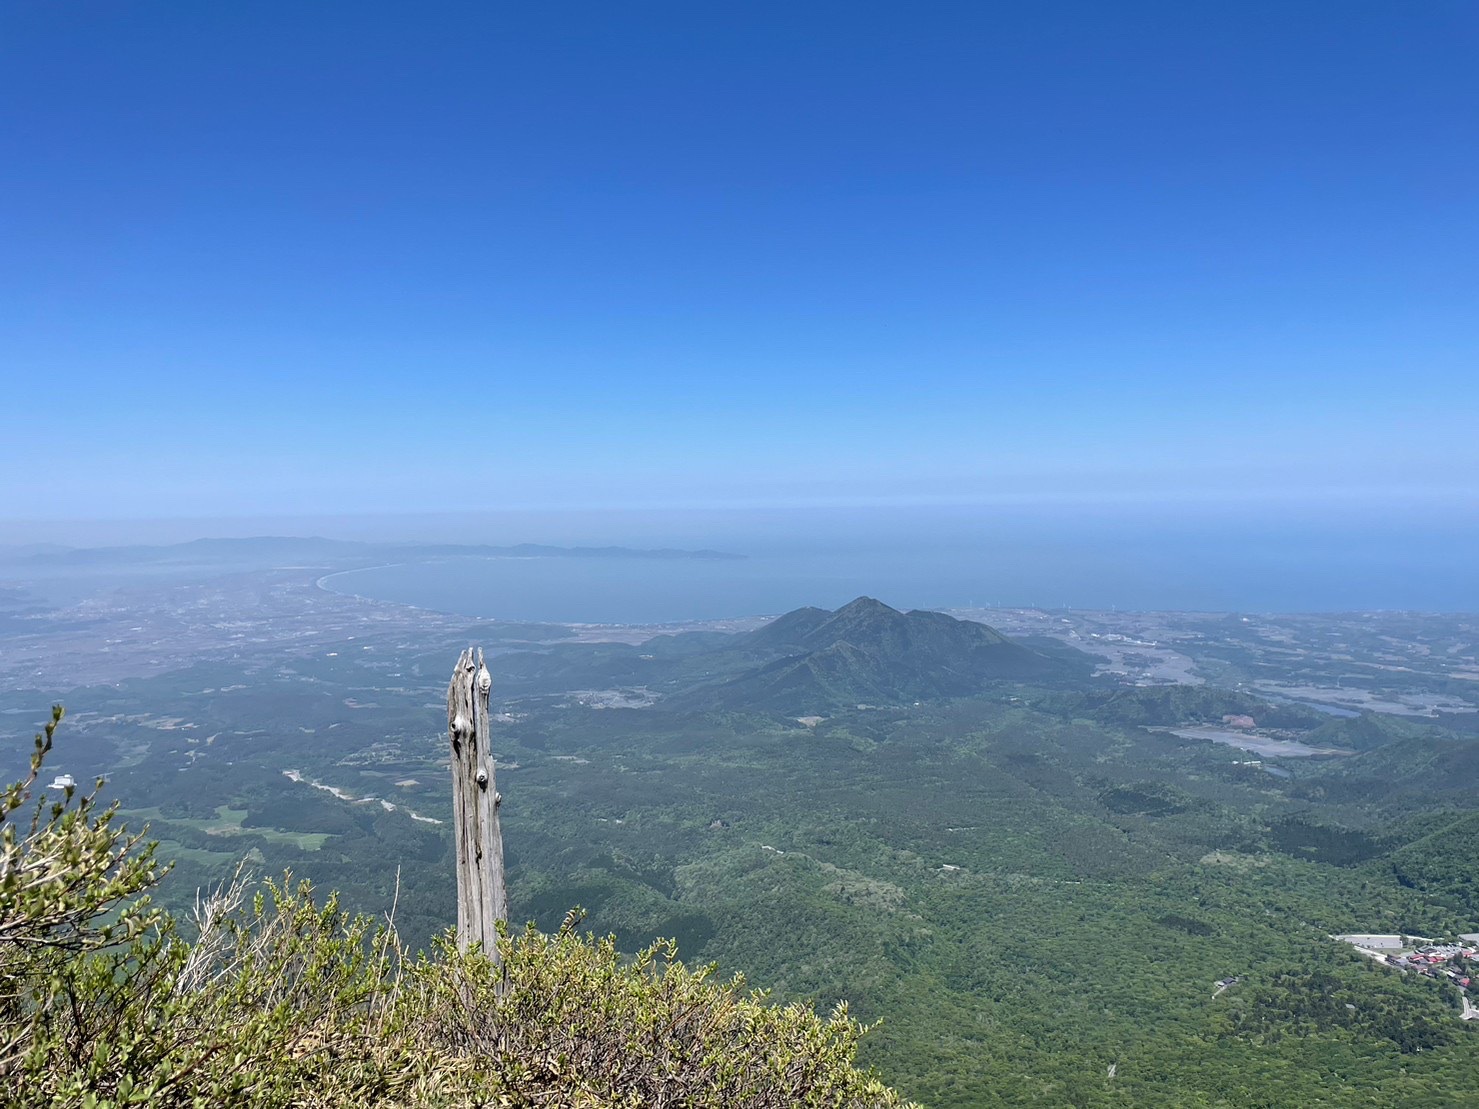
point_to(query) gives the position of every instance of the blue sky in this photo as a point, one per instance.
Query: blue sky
(337, 258)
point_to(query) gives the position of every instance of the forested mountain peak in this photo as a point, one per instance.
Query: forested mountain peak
(870, 624)
(867, 651)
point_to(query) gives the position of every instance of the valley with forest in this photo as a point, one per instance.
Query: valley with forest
(1057, 857)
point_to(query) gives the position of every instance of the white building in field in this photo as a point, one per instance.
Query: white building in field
(1374, 943)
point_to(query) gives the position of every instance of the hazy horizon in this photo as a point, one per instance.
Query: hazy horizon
(334, 260)
(1233, 556)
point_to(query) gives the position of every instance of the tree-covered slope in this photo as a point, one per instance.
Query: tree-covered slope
(284, 1000)
(1035, 888)
(809, 660)
(867, 652)
(1444, 864)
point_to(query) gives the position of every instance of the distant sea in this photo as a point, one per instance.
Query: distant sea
(940, 561)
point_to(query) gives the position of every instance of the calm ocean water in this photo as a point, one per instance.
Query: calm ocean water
(1099, 564)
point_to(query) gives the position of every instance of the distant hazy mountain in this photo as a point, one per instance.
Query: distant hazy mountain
(869, 653)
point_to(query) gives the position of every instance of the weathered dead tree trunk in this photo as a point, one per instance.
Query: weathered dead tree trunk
(482, 899)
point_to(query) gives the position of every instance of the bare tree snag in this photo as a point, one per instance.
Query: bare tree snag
(482, 899)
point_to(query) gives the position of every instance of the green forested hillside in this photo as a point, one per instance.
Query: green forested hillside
(282, 999)
(1035, 888)
(805, 661)
(869, 653)
(1024, 900)
(1444, 864)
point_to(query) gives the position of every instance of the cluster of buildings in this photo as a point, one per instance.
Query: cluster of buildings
(1434, 959)
(1418, 953)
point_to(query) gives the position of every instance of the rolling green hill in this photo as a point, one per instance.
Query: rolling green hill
(806, 661)
(868, 653)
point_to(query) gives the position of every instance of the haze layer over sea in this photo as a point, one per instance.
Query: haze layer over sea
(1240, 558)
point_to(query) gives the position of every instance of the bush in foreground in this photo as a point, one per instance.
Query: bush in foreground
(280, 999)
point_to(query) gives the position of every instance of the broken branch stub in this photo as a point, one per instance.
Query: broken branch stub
(482, 900)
